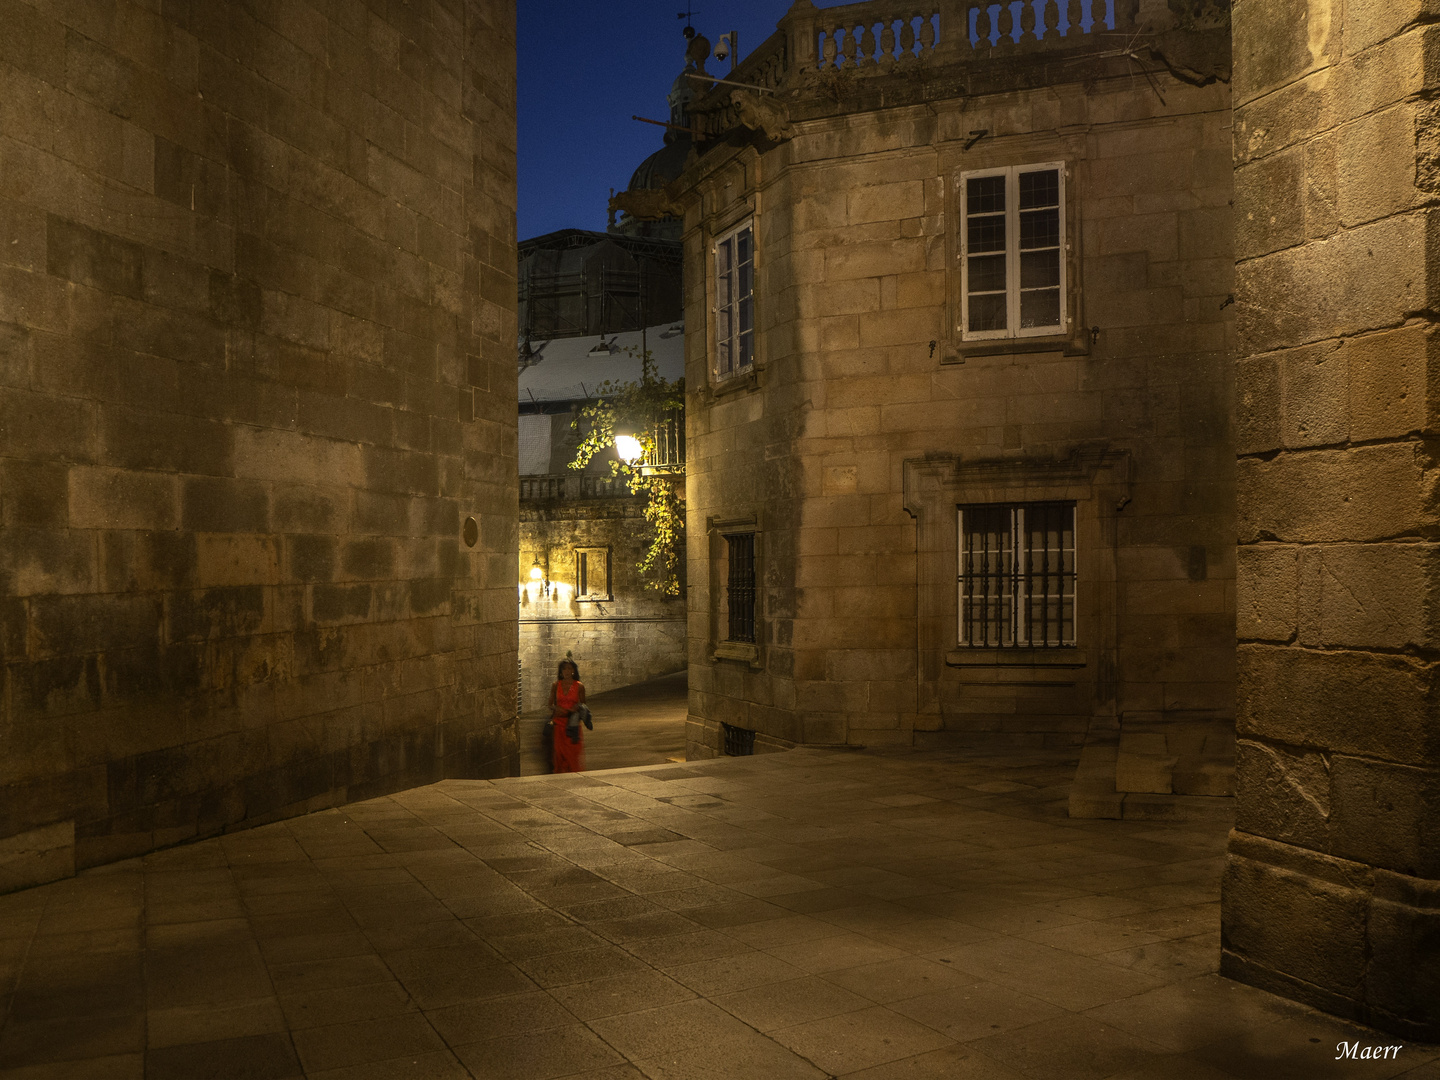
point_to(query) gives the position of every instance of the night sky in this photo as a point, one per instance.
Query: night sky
(585, 67)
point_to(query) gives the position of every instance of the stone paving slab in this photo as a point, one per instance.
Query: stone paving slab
(873, 916)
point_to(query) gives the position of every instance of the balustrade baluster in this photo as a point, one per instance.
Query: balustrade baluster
(1075, 17)
(827, 51)
(1050, 22)
(1007, 26)
(1027, 23)
(1097, 16)
(982, 26)
(927, 33)
(887, 44)
(907, 40)
(867, 47)
(847, 47)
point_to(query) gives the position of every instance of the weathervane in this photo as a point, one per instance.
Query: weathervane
(689, 16)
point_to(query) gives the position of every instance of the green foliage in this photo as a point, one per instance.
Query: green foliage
(639, 408)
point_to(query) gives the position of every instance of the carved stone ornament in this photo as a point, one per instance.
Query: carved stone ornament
(645, 204)
(763, 115)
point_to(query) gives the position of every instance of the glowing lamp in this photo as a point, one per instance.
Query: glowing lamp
(629, 448)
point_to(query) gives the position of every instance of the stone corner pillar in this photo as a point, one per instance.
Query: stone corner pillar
(1332, 888)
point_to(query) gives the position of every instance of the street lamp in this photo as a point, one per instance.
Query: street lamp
(629, 448)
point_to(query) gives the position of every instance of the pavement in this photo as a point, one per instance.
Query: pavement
(807, 914)
(643, 724)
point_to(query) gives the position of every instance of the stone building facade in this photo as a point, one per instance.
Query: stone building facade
(257, 422)
(980, 508)
(618, 632)
(1332, 892)
(1292, 329)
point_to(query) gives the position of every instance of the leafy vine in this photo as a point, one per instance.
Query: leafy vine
(640, 409)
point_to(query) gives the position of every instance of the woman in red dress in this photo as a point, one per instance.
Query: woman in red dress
(567, 693)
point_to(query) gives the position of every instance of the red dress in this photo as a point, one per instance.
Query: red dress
(569, 756)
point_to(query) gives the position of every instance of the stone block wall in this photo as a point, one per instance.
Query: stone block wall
(636, 636)
(1332, 893)
(868, 420)
(256, 376)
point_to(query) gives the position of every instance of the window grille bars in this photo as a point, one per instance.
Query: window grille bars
(740, 587)
(1017, 575)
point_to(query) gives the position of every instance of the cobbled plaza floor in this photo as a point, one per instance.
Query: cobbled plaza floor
(810, 914)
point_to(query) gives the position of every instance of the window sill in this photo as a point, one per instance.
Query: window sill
(749, 379)
(1077, 344)
(736, 650)
(1047, 658)
(592, 599)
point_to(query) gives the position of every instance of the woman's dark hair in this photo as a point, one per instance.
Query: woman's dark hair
(560, 669)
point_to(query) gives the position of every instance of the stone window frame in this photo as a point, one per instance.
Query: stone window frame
(1095, 478)
(1075, 339)
(582, 556)
(721, 648)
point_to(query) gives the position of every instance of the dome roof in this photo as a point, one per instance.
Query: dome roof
(661, 167)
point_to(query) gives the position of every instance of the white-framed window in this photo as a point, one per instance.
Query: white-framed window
(735, 301)
(1012, 252)
(1017, 575)
(592, 573)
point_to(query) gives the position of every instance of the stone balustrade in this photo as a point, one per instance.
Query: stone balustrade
(880, 36)
(847, 36)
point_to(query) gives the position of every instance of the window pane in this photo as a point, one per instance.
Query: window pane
(742, 246)
(725, 254)
(747, 348)
(1039, 308)
(746, 321)
(986, 234)
(746, 283)
(1039, 189)
(987, 312)
(1038, 269)
(985, 195)
(1039, 228)
(987, 274)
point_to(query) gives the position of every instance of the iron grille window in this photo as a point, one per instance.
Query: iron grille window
(740, 587)
(1017, 575)
(739, 742)
(735, 301)
(1012, 259)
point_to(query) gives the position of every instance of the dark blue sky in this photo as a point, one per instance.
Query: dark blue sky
(585, 67)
